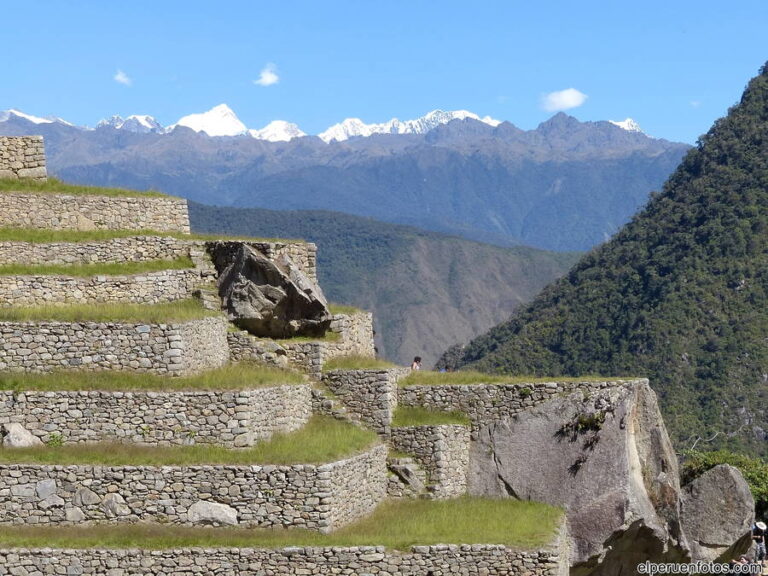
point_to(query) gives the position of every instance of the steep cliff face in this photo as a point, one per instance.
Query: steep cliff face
(606, 458)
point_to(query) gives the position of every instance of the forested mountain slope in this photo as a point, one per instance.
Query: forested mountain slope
(680, 294)
(426, 290)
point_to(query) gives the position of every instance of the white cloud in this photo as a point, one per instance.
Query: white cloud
(122, 78)
(563, 100)
(268, 76)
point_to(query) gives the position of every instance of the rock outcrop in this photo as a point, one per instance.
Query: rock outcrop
(16, 436)
(266, 298)
(606, 458)
(716, 513)
(204, 512)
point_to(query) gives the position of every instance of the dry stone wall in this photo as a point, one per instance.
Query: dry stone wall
(88, 212)
(174, 349)
(267, 496)
(460, 560)
(355, 339)
(370, 395)
(22, 157)
(235, 418)
(443, 451)
(148, 288)
(488, 402)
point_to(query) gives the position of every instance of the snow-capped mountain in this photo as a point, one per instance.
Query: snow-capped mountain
(134, 123)
(218, 121)
(278, 131)
(355, 127)
(629, 125)
(6, 115)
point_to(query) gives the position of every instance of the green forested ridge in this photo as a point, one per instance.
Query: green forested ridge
(680, 294)
(426, 290)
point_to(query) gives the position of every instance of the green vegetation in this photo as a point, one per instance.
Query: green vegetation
(230, 377)
(178, 311)
(87, 270)
(397, 524)
(327, 337)
(46, 236)
(754, 470)
(55, 186)
(343, 309)
(356, 363)
(322, 439)
(418, 416)
(471, 377)
(680, 294)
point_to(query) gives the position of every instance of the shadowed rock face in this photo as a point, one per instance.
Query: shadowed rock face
(717, 511)
(606, 458)
(268, 299)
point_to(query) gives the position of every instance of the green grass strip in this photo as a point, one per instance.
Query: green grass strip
(356, 363)
(323, 439)
(47, 236)
(430, 378)
(243, 376)
(419, 416)
(56, 186)
(395, 524)
(97, 269)
(343, 309)
(178, 311)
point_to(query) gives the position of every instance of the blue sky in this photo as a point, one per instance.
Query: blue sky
(674, 65)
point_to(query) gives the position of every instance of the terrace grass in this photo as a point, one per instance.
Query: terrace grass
(243, 376)
(96, 269)
(395, 524)
(177, 311)
(343, 309)
(419, 416)
(468, 377)
(48, 236)
(356, 363)
(56, 186)
(323, 439)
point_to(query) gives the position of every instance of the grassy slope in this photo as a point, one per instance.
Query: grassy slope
(397, 525)
(427, 291)
(679, 295)
(54, 186)
(87, 270)
(179, 311)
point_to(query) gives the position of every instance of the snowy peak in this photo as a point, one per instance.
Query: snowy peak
(6, 115)
(218, 121)
(629, 125)
(142, 124)
(278, 131)
(352, 127)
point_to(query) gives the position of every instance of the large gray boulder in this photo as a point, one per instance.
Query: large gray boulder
(606, 458)
(716, 512)
(16, 436)
(266, 298)
(215, 513)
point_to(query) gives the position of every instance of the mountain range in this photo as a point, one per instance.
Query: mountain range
(679, 295)
(566, 185)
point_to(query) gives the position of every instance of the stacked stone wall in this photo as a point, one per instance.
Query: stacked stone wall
(371, 395)
(355, 339)
(87, 212)
(298, 496)
(488, 402)
(443, 451)
(174, 349)
(148, 288)
(234, 418)
(461, 560)
(22, 157)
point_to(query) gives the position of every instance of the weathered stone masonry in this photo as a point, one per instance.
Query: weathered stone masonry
(443, 451)
(235, 418)
(88, 212)
(307, 496)
(461, 560)
(22, 157)
(174, 349)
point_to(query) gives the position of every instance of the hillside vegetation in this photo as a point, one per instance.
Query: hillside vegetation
(426, 291)
(680, 294)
